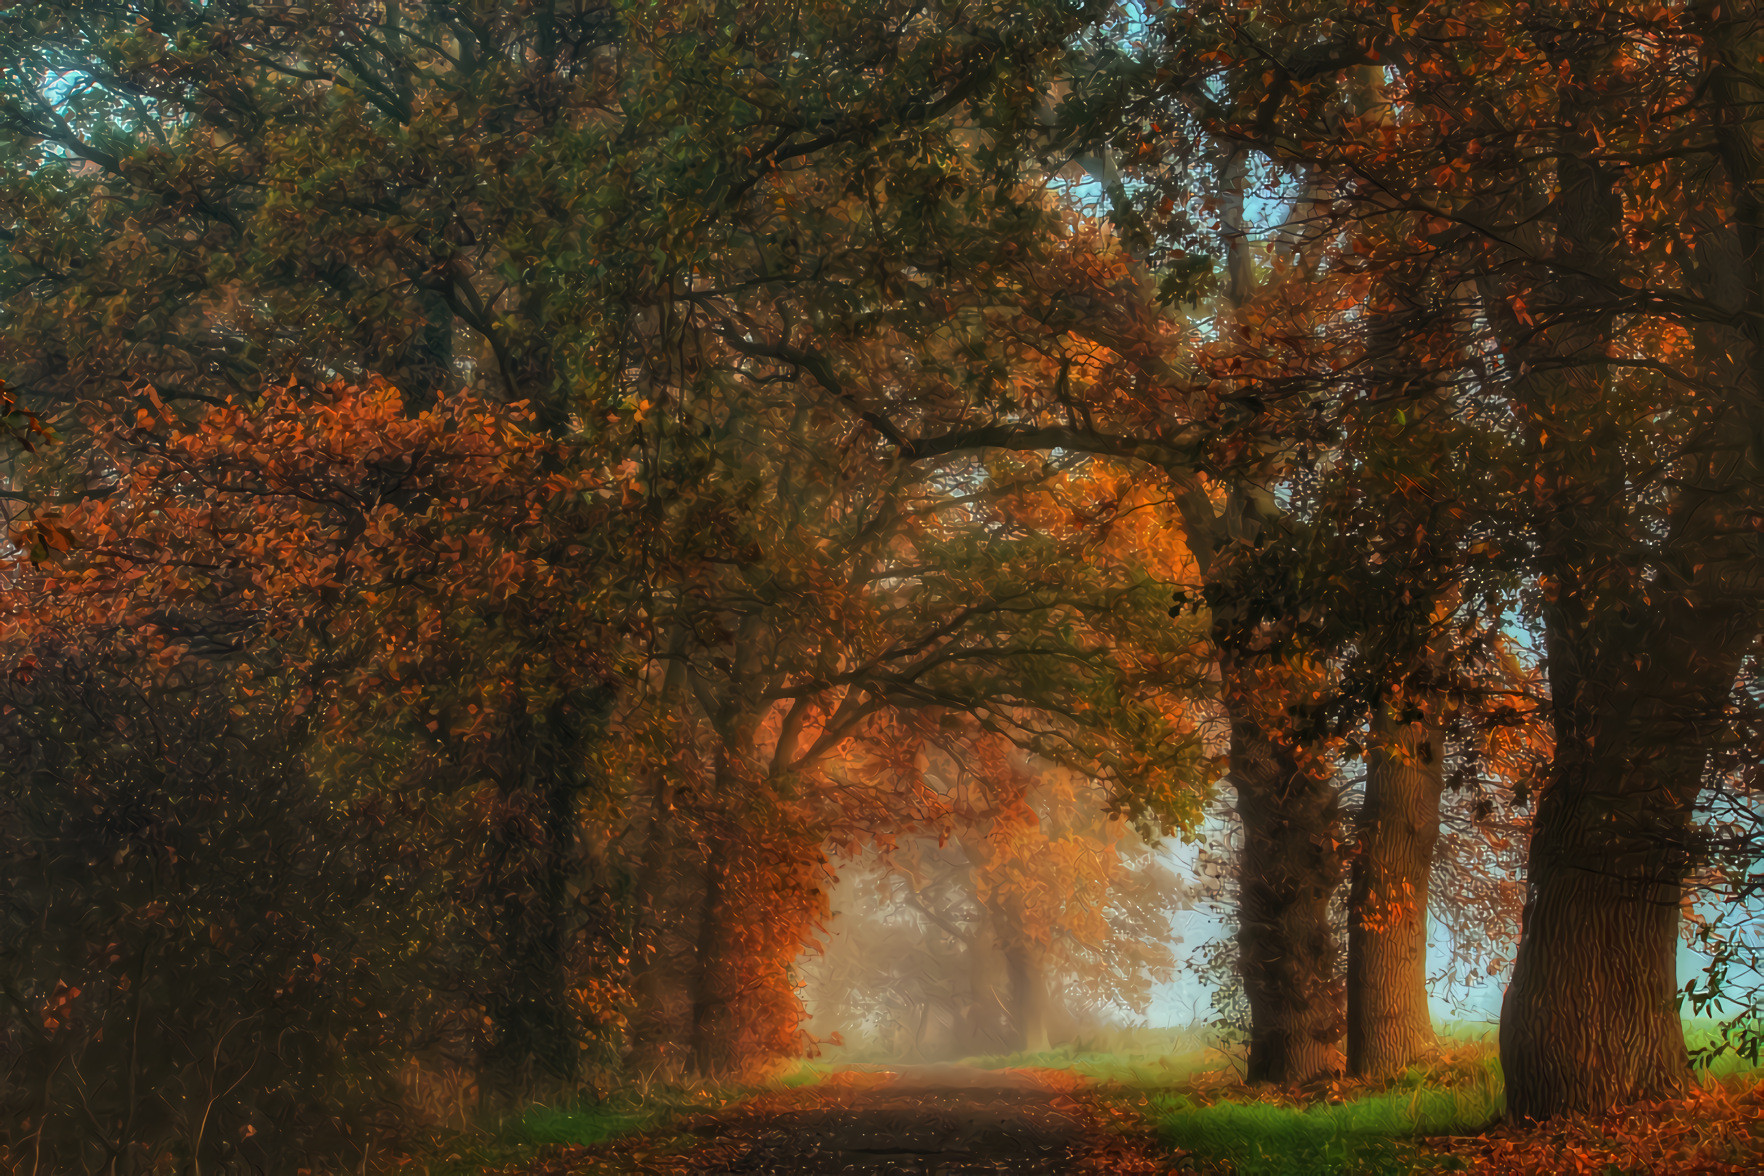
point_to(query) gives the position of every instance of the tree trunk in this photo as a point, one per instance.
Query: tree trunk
(1290, 865)
(652, 1028)
(654, 967)
(1389, 1023)
(985, 1027)
(1639, 680)
(710, 1006)
(555, 1044)
(423, 369)
(1289, 868)
(1028, 997)
(1590, 1020)
(917, 1050)
(532, 1035)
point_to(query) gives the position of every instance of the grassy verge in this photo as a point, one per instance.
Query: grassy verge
(1197, 1105)
(1194, 1100)
(1336, 1128)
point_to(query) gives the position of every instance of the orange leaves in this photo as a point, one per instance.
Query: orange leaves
(323, 520)
(41, 536)
(58, 1007)
(1716, 1131)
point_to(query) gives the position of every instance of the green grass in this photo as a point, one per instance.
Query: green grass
(1369, 1133)
(1192, 1100)
(1133, 1055)
(586, 1125)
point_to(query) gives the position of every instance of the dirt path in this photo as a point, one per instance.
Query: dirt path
(947, 1120)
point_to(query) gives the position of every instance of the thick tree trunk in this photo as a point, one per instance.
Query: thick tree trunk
(1389, 1023)
(1640, 666)
(555, 1039)
(655, 1030)
(916, 1051)
(1590, 1020)
(1290, 864)
(713, 1036)
(1289, 868)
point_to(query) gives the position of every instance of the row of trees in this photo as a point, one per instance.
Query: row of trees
(1508, 312)
(598, 466)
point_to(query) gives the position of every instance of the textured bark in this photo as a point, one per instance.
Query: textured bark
(657, 982)
(1389, 1023)
(1290, 865)
(1289, 868)
(1590, 1020)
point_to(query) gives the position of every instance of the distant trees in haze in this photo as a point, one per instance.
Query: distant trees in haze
(1020, 916)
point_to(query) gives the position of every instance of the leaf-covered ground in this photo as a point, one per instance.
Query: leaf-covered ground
(1717, 1130)
(949, 1120)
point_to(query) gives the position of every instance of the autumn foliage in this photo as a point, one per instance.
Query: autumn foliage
(535, 527)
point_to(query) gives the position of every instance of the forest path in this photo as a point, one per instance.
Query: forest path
(922, 1120)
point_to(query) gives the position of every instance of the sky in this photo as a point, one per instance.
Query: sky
(1185, 999)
